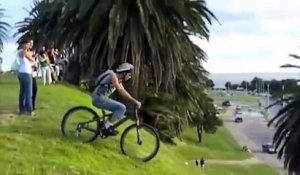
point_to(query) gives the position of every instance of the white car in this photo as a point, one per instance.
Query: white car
(238, 117)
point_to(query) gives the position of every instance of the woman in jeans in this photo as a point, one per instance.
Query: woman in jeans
(34, 75)
(26, 60)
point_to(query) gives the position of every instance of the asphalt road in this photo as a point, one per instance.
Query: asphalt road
(254, 132)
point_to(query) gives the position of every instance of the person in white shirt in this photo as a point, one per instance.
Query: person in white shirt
(26, 60)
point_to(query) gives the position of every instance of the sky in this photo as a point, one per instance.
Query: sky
(254, 35)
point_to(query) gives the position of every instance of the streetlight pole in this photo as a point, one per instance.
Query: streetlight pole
(263, 86)
(268, 95)
(282, 91)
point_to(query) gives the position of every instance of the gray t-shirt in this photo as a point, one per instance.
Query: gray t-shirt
(105, 87)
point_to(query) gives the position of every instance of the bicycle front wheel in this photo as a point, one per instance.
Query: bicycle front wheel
(140, 142)
(81, 123)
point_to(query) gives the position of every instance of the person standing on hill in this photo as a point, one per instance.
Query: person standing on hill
(34, 75)
(45, 67)
(52, 59)
(202, 162)
(25, 61)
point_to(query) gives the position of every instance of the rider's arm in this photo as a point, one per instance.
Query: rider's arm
(120, 88)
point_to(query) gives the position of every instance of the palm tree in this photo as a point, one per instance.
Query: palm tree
(153, 35)
(287, 124)
(287, 137)
(4, 26)
(291, 65)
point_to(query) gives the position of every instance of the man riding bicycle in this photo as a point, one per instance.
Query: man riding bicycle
(106, 84)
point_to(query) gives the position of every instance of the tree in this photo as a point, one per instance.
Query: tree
(291, 65)
(153, 35)
(228, 84)
(4, 27)
(245, 84)
(287, 135)
(210, 83)
(234, 86)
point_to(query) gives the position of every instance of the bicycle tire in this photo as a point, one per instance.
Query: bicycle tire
(68, 114)
(154, 133)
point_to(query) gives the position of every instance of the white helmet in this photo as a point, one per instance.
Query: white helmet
(124, 67)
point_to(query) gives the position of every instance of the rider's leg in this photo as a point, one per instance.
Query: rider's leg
(118, 110)
(116, 107)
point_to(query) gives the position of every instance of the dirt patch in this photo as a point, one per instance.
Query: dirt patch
(7, 118)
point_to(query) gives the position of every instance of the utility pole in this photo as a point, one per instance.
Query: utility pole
(263, 86)
(257, 86)
(268, 95)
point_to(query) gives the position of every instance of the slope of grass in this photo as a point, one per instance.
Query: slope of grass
(238, 97)
(220, 145)
(239, 170)
(35, 146)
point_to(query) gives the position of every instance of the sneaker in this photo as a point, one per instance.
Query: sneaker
(29, 114)
(105, 132)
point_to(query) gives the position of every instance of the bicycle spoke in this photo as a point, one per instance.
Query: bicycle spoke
(91, 129)
(82, 123)
(140, 142)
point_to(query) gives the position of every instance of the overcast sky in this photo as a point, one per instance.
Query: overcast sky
(255, 35)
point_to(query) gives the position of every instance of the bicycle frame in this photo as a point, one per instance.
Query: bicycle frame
(123, 120)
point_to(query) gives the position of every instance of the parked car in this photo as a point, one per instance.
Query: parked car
(238, 117)
(226, 103)
(219, 108)
(269, 148)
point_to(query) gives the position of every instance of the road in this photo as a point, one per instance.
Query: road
(254, 132)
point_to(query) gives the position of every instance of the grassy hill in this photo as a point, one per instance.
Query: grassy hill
(238, 97)
(35, 145)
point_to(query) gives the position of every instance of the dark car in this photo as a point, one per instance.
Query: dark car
(269, 148)
(226, 103)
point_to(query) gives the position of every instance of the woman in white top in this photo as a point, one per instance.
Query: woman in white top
(26, 61)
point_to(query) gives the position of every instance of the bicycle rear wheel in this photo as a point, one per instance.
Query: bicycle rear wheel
(81, 123)
(140, 142)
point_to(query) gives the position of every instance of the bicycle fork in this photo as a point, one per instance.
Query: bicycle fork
(139, 141)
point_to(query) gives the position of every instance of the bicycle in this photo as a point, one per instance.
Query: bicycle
(99, 123)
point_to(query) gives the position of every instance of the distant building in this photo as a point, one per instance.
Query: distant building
(240, 89)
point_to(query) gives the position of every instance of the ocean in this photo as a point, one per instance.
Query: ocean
(220, 79)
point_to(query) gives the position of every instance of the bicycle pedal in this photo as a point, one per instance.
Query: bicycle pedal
(103, 136)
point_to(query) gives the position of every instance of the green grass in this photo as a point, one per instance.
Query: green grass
(238, 97)
(220, 145)
(35, 146)
(239, 170)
